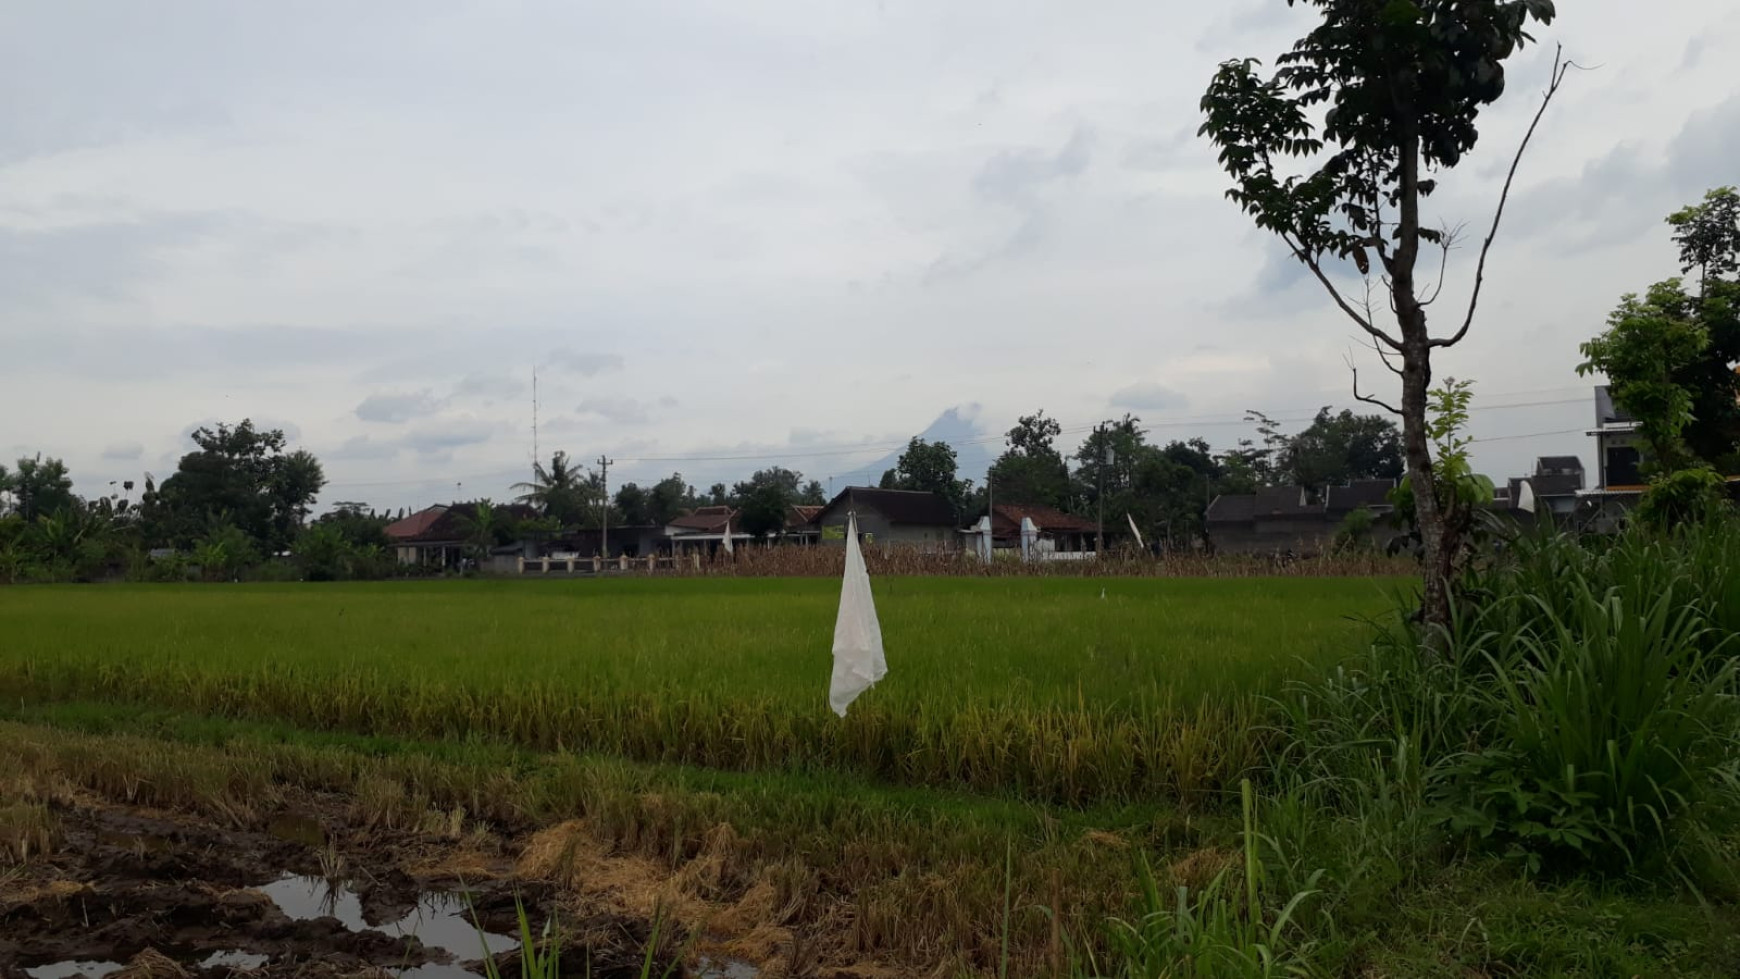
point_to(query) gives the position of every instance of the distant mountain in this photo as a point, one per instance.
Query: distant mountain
(975, 448)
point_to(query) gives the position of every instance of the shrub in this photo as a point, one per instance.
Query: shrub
(1578, 712)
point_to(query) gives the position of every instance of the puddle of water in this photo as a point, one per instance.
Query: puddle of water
(66, 970)
(440, 920)
(709, 968)
(296, 828)
(246, 961)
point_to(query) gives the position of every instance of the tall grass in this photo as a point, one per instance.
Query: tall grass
(1236, 926)
(1036, 688)
(1579, 713)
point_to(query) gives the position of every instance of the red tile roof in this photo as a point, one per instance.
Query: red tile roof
(1006, 520)
(705, 520)
(415, 525)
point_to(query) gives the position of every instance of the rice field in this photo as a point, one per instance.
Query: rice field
(1069, 691)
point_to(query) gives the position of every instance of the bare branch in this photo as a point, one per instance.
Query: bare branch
(1334, 293)
(1383, 355)
(1368, 399)
(1560, 68)
(1446, 241)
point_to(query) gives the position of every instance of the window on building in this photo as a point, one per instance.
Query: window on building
(1622, 466)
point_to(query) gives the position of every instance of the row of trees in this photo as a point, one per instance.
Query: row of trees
(1164, 488)
(239, 496)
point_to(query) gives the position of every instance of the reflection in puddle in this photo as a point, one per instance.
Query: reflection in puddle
(66, 970)
(709, 968)
(246, 961)
(440, 920)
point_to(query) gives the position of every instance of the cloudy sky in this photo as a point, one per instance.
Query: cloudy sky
(734, 233)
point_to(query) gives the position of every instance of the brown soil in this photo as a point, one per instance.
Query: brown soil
(161, 893)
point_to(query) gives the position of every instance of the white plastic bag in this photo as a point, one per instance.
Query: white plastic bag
(858, 659)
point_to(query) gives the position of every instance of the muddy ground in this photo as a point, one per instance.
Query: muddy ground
(130, 893)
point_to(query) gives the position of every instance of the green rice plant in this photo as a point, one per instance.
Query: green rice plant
(536, 962)
(1230, 929)
(1036, 688)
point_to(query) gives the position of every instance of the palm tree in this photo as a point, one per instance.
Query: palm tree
(561, 490)
(480, 528)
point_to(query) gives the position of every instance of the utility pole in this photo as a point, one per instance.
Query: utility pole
(1100, 543)
(534, 424)
(604, 465)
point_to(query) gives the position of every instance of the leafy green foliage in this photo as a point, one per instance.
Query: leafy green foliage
(241, 476)
(1581, 713)
(1338, 448)
(565, 492)
(1709, 234)
(1648, 343)
(1400, 78)
(930, 467)
(763, 512)
(1670, 355)
(1031, 470)
(36, 488)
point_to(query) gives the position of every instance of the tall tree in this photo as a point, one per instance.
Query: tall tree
(763, 510)
(931, 467)
(241, 476)
(563, 491)
(1338, 448)
(1400, 85)
(668, 498)
(788, 481)
(1031, 470)
(633, 505)
(1669, 357)
(813, 494)
(38, 487)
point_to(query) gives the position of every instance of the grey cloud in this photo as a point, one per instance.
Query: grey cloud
(444, 435)
(584, 364)
(1159, 154)
(1015, 175)
(123, 451)
(482, 384)
(1148, 396)
(362, 447)
(622, 411)
(1626, 192)
(1240, 27)
(399, 407)
(98, 260)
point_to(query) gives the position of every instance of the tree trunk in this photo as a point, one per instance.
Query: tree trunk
(1416, 382)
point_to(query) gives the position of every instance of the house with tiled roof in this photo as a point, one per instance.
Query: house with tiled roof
(906, 518)
(1286, 518)
(1066, 533)
(439, 536)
